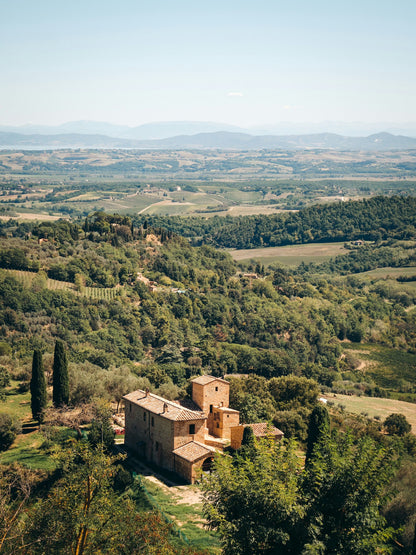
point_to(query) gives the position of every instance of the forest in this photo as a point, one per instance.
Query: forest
(371, 219)
(170, 310)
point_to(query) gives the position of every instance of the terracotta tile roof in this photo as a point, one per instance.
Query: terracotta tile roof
(188, 404)
(264, 429)
(193, 451)
(203, 380)
(163, 407)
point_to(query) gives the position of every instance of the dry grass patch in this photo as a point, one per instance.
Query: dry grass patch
(291, 255)
(374, 406)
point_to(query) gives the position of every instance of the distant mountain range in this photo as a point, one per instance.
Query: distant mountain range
(168, 129)
(225, 139)
(148, 131)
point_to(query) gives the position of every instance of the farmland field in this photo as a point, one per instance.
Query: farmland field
(291, 255)
(51, 184)
(30, 216)
(27, 278)
(385, 273)
(374, 406)
(387, 366)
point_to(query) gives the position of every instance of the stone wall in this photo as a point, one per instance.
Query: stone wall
(237, 436)
(150, 435)
(183, 434)
(154, 436)
(223, 421)
(215, 394)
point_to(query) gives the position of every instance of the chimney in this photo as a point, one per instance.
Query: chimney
(147, 392)
(165, 407)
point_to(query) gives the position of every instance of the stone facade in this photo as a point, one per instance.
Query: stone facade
(224, 419)
(181, 439)
(155, 427)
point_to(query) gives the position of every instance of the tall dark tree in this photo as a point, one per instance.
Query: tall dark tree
(318, 427)
(37, 387)
(248, 436)
(60, 376)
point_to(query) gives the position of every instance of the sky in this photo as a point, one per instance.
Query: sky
(238, 62)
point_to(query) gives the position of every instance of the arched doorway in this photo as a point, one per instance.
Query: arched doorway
(207, 464)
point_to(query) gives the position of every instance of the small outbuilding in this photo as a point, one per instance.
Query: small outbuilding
(262, 430)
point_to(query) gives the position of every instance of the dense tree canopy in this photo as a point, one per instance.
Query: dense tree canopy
(266, 503)
(372, 219)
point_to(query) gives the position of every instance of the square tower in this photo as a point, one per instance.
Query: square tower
(209, 392)
(212, 395)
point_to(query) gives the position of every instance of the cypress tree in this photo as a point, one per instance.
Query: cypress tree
(60, 376)
(37, 387)
(248, 436)
(318, 427)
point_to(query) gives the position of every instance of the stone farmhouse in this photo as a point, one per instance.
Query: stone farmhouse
(183, 437)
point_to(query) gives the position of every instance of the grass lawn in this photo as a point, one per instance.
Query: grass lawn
(26, 450)
(16, 404)
(26, 447)
(187, 516)
(375, 406)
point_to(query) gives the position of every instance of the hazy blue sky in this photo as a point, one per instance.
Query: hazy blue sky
(239, 62)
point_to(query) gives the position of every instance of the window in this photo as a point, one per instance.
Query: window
(216, 388)
(191, 429)
(218, 425)
(144, 416)
(157, 446)
(210, 408)
(228, 416)
(130, 407)
(153, 421)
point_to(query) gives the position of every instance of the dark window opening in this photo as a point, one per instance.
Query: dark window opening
(216, 388)
(153, 421)
(191, 429)
(157, 446)
(144, 416)
(210, 408)
(207, 465)
(218, 424)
